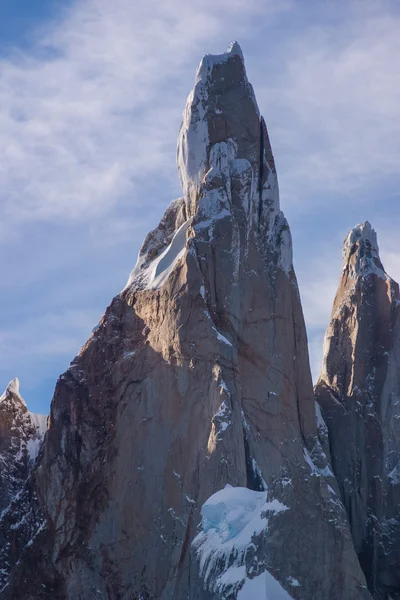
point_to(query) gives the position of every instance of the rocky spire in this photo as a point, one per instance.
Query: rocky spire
(361, 253)
(197, 378)
(227, 170)
(12, 391)
(216, 131)
(21, 433)
(359, 392)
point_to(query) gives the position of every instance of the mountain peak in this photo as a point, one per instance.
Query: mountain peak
(361, 252)
(221, 124)
(358, 393)
(12, 389)
(234, 48)
(210, 60)
(227, 172)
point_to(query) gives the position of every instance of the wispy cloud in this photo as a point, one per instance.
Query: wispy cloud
(92, 109)
(28, 347)
(336, 105)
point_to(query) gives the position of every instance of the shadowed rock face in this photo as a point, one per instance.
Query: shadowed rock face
(196, 377)
(359, 394)
(21, 433)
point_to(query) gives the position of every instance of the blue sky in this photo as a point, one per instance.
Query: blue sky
(91, 99)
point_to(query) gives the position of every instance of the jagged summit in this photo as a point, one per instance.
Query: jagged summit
(361, 252)
(210, 60)
(227, 172)
(21, 435)
(12, 389)
(358, 391)
(220, 123)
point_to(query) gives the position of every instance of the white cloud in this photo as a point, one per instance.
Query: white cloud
(336, 107)
(93, 108)
(39, 339)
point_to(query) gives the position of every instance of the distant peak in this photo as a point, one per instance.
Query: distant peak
(13, 386)
(210, 60)
(361, 252)
(235, 49)
(12, 390)
(365, 233)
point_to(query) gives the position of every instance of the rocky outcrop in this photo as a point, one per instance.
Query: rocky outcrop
(197, 377)
(359, 394)
(21, 434)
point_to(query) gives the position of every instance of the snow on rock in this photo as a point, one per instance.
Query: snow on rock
(221, 337)
(321, 425)
(210, 60)
(263, 587)
(220, 167)
(316, 471)
(22, 434)
(230, 520)
(12, 388)
(194, 136)
(151, 276)
(361, 252)
(257, 474)
(394, 475)
(40, 424)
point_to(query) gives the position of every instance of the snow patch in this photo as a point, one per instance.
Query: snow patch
(223, 417)
(293, 582)
(206, 207)
(221, 337)
(367, 259)
(210, 60)
(258, 474)
(230, 520)
(193, 136)
(320, 420)
(394, 475)
(154, 275)
(40, 424)
(263, 587)
(12, 388)
(325, 472)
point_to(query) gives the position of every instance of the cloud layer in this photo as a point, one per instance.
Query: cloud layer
(93, 109)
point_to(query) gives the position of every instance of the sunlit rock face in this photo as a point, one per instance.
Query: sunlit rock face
(196, 377)
(359, 394)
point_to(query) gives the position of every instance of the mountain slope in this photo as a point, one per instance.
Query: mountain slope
(196, 377)
(359, 394)
(21, 433)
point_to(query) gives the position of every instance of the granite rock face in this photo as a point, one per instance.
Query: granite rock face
(197, 377)
(359, 394)
(21, 434)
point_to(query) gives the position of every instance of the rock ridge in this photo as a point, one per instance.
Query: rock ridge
(359, 391)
